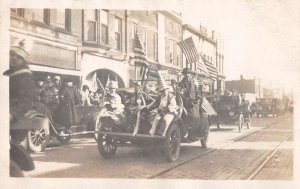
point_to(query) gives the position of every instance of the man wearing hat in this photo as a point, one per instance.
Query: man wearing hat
(67, 114)
(21, 85)
(163, 107)
(191, 98)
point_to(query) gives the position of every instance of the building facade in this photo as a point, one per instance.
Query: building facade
(209, 50)
(80, 43)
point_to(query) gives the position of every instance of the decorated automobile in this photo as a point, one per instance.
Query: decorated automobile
(141, 125)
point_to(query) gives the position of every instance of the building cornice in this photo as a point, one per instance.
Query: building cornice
(198, 33)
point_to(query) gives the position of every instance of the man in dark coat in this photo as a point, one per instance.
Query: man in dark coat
(21, 87)
(191, 101)
(67, 115)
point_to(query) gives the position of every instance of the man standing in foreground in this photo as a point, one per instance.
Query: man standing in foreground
(21, 86)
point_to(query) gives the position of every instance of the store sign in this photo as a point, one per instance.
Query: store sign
(47, 55)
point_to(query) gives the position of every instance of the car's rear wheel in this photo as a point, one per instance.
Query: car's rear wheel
(172, 142)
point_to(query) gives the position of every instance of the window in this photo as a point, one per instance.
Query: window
(118, 33)
(18, 12)
(47, 16)
(171, 52)
(155, 47)
(104, 26)
(91, 25)
(60, 18)
(178, 56)
(144, 41)
(68, 20)
(38, 15)
(133, 31)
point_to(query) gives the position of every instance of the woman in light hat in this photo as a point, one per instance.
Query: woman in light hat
(113, 99)
(163, 107)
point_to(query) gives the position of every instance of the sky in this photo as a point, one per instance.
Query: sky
(261, 38)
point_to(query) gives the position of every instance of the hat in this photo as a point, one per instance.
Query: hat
(161, 85)
(57, 77)
(113, 85)
(84, 87)
(21, 47)
(186, 71)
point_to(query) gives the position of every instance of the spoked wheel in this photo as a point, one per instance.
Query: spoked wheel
(241, 122)
(107, 145)
(38, 139)
(97, 127)
(206, 134)
(172, 142)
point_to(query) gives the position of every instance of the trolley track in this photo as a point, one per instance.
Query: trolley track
(209, 151)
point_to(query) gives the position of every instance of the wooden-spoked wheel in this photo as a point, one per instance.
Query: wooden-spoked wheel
(172, 142)
(107, 145)
(241, 122)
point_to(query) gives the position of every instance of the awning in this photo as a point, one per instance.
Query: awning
(211, 69)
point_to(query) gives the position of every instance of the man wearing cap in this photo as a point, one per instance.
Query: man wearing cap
(163, 107)
(191, 98)
(21, 86)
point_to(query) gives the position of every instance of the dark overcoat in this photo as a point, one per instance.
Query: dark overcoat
(66, 114)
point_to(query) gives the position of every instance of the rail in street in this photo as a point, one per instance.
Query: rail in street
(243, 164)
(231, 155)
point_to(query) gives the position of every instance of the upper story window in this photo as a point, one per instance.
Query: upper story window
(68, 19)
(133, 32)
(18, 12)
(155, 46)
(171, 51)
(118, 33)
(104, 26)
(90, 19)
(144, 40)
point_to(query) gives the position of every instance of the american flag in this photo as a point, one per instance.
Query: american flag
(94, 84)
(207, 107)
(140, 57)
(190, 51)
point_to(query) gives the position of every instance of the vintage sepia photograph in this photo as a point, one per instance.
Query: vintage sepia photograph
(198, 91)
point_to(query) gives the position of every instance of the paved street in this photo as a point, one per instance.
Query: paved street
(231, 155)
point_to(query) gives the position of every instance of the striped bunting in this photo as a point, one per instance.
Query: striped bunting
(202, 67)
(140, 57)
(207, 107)
(212, 69)
(189, 49)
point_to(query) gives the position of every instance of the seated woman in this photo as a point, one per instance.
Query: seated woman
(113, 104)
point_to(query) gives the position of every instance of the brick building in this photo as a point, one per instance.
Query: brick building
(78, 43)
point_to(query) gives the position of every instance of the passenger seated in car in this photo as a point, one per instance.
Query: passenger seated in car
(163, 107)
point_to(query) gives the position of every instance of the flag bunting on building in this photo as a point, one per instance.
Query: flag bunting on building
(140, 57)
(207, 107)
(213, 71)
